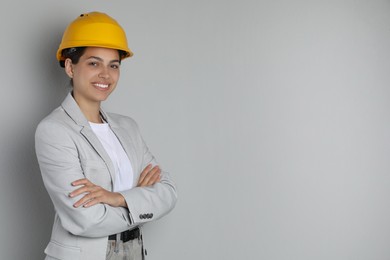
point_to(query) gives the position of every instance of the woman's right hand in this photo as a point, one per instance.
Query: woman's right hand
(149, 176)
(94, 194)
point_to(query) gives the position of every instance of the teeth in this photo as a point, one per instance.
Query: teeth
(101, 85)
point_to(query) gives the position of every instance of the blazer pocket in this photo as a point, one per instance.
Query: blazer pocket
(60, 251)
(97, 172)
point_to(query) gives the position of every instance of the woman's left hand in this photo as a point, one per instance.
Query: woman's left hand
(95, 194)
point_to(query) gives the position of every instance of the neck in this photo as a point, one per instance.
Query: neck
(91, 110)
(92, 114)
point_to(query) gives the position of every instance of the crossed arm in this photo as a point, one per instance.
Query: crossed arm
(96, 194)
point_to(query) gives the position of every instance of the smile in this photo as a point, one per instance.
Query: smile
(100, 85)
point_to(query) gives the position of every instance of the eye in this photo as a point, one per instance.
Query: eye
(93, 63)
(114, 66)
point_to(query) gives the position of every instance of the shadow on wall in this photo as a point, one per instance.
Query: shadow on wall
(28, 210)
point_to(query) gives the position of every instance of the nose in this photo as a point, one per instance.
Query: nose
(104, 74)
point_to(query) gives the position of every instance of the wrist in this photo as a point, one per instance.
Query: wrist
(121, 200)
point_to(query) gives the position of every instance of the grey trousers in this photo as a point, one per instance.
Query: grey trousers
(130, 250)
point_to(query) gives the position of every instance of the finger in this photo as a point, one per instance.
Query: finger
(92, 202)
(155, 170)
(88, 187)
(91, 196)
(143, 177)
(99, 196)
(144, 173)
(149, 178)
(156, 178)
(81, 182)
(84, 189)
(83, 201)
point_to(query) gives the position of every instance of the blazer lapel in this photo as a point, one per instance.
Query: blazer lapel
(88, 133)
(72, 109)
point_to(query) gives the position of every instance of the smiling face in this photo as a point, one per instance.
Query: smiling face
(94, 76)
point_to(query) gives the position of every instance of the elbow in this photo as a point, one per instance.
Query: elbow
(171, 190)
(174, 198)
(80, 227)
(97, 221)
(84, 222)
(171, 199)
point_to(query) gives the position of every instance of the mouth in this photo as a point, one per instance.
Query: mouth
(101, 85)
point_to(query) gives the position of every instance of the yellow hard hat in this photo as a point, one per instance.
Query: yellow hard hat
(94, 29)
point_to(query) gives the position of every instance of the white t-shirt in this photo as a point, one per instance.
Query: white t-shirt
(122, 164)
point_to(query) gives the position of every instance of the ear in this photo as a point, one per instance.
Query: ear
(69, 67)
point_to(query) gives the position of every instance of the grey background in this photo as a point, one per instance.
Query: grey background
(272, 116)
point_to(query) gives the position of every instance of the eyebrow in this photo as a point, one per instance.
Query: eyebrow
(100, 59)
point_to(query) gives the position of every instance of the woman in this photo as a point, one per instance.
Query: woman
(100, 175)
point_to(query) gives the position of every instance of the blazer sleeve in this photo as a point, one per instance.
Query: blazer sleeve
(151, 202)
(59, 163)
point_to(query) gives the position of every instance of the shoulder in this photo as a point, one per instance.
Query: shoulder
(123, 121)
(56, 124)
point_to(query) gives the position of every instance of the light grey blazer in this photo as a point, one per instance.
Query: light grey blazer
(67, 149)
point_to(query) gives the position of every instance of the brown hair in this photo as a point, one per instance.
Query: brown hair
(76, 52)
(72, 53)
